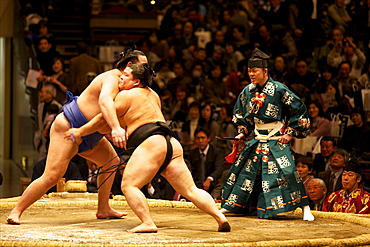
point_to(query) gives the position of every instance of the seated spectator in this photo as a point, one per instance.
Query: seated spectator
(145, 45)
(176, 108)
(191, 124)
(215, 89)
(324, 77)
(217, 58)
(320, 126)
(233, 81)
(348, 85)
(47, 94)
(163, 76)
(351, 54)
(341, 104)
(227, 128)
(60, 80)
(364, 79)
(320, 56)
(321, 161)
(356, 137)
(81, 67)
(279, 71)
(316, 191)
(199, 76)
(284, 45)
(207, 123)
(218, 40)
(239, 41)
(45, 55)
(181, 78)
(232, 58)
(338, 15)
(302, 75)
(304, 167)
(72, 173)
(44, 30)
(206, 161)
(333, 178)
(350, 199)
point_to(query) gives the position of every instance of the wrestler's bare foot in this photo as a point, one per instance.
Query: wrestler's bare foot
(224, 227)
(13, 219)
(144, 228)
(111, 214)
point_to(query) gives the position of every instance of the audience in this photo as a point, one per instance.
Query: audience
(352, 198)
(60, 80)
(45, 55)
(82, 69)
(47, 94)
(333, 177)
(304, 167)
(316, 191)
(321, 161)
(206, 161)
(330, 53)
(320, 126)
(356, 137)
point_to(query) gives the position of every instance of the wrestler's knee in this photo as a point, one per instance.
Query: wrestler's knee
(49, 180)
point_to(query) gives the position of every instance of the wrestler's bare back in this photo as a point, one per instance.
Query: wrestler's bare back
(88, 101)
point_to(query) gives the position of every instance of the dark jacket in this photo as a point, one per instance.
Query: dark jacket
(326, 177)
(214, 165)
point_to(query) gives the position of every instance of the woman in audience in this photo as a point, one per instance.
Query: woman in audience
(320, 126)
(206, 121)
(304, 167)
(279, 71)
(215, 90)
(60, 80)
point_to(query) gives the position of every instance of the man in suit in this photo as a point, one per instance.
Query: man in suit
(316, 191)
(207, 170)
(321, 161)
(47, 94)
(333, 178)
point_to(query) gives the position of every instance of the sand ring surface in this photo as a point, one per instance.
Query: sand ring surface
(65, 221)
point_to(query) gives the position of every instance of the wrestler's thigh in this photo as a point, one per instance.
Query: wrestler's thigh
(60, 150)
(102, 154)
(177, 172)
(145, 161)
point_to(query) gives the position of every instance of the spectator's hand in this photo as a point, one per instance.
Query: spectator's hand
(40, 78)
(285, 139)
(74, 135)
(207, 184)
(119, 137)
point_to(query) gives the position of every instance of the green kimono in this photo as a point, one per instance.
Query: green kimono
(264, 175)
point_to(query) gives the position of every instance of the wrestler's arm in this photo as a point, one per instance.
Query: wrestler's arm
(98, 123)
(106, 101)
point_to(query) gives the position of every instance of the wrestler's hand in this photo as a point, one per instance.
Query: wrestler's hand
(207, 184)
(119, 137)
(74, 135)
(285, 139)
